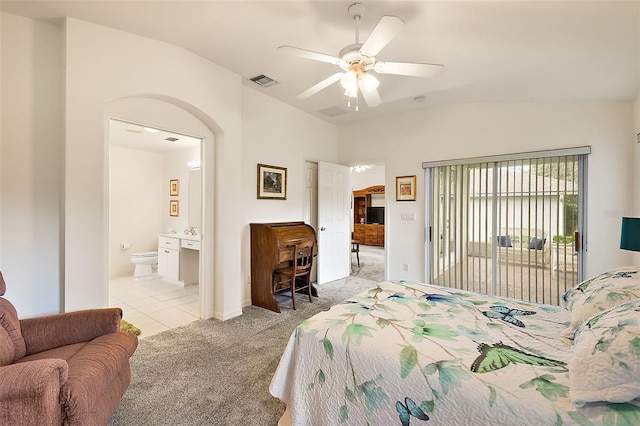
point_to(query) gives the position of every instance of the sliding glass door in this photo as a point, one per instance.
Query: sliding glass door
(509, 227)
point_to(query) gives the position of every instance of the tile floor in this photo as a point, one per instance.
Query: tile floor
(154, 305)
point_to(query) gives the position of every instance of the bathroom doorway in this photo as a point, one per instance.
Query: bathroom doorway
(155, 190)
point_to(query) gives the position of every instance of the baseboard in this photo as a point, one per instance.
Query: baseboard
(227, 315)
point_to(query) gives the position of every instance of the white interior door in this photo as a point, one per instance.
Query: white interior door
(334, 226)
(310, 214)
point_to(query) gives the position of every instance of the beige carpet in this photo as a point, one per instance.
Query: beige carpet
(371, 263)
(218, 373)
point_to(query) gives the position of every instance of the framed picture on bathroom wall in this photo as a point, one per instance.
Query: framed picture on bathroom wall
(272, 182)
(174, 187)
(174, 208)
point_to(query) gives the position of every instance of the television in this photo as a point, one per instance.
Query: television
(375, 215)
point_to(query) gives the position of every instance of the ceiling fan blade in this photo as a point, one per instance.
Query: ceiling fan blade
(372, 96)
(387, 28)
(319, 86)
(309, 54)
(409, 68)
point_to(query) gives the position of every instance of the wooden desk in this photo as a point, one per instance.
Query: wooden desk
(271, 249)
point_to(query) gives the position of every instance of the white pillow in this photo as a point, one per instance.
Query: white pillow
(602, 292)
(605, 365)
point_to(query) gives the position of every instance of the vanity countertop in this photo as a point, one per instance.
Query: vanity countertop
(182, 236)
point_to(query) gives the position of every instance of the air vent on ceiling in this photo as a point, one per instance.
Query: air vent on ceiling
(171, 139)
(333, 111)
(263, 80)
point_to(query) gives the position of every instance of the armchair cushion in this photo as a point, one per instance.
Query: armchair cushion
(27, 385)
(13, 346)
(7, 349)
(44, 333)
(95, 367)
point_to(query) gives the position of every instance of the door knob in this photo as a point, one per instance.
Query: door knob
(322, 228)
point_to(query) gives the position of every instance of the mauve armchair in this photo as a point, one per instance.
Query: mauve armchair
(70, 368)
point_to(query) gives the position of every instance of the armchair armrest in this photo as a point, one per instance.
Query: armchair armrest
(49, 332)
(26, 385)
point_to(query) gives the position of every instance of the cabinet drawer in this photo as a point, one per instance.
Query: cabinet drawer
(372, 233)
(167, 242)
(192, 245)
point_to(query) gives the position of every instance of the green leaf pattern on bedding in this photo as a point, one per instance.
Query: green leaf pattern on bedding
(441, 347)
(547, 387)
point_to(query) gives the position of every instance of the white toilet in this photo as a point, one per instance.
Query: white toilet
(144, 263)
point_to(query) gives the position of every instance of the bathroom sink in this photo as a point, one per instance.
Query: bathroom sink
(182, 236)
(190, 237)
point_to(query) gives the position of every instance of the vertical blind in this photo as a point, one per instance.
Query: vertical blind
(506, 227)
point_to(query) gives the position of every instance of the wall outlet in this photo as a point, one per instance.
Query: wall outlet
(408, 216)
(405, 267)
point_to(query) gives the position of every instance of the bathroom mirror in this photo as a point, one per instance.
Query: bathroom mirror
(195, 199)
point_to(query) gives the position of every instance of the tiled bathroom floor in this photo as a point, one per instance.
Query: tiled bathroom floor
(154, 305)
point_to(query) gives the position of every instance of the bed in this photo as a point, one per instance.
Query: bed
(405, 353)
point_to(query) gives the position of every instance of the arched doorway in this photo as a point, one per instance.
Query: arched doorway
(175, 116)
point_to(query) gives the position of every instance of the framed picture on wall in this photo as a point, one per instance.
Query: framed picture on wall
(272, 182)
(406, 188)
(174, 208)
(174, 187)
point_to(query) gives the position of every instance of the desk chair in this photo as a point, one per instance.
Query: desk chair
(300, 271)
(355, 248)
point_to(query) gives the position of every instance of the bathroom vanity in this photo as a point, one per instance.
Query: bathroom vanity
(179, 258)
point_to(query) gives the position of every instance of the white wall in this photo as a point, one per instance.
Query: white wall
(105, 71)
(634, 209)
(367, 178)
(279, 135)
(104, 64)
(136, 205)
(470, 130)
(31, 165)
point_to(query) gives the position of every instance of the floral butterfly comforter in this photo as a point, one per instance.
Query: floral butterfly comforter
(414, 354)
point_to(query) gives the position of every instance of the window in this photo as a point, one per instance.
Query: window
(507, 226)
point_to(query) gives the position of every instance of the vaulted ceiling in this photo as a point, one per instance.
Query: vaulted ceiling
(493, 51)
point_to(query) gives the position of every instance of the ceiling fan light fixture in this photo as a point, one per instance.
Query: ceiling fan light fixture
(351, 91)
(349, 79)
(350, 83)
(370, 82)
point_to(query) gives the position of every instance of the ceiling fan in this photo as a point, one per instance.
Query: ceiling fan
(356, 60)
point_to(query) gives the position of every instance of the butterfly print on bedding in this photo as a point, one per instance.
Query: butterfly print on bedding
(408, 409)
(496, 356)
(506, 314)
